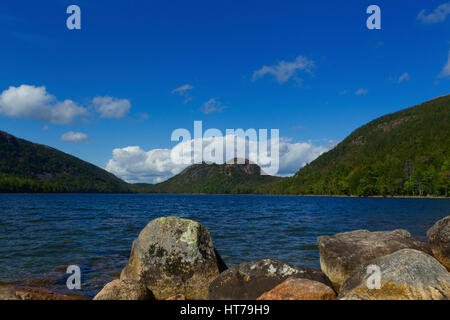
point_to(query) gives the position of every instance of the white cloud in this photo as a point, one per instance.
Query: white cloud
(211, 106)
(136, 165)
(283, 71)
(75, 137)
(446, 70)
(294, 156)
(404, 77)
(438, 15)
(182, 89)
(184, 92)
(361, 92)
(36, 103)
(111, 108)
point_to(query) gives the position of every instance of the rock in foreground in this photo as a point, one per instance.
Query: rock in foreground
(439, 240)
(248, 281)
(177, 297)
(405, 275)
(174, 256)
(299, 289)
(124, 290)
(342, 253)
(30, 293)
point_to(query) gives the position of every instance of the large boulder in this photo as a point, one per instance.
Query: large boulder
(439, 240)
(342, 253)
(299, 289)
(174, 256)
(10, 292)
(124, 290)
(247, 281)
(406, 274)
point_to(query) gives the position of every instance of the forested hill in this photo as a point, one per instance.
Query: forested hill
(31, 167)
(403, 153)
(229, 178)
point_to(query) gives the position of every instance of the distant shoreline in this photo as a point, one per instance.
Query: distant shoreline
(300, 195)
(240, 194)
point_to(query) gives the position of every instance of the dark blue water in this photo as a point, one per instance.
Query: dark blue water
(40, 235)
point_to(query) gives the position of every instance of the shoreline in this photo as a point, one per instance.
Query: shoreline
(236, 194)
(336, 275)
(299, 195)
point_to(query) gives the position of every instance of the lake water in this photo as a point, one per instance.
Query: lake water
(41, 234)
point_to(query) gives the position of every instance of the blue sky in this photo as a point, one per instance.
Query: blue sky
(325, 73)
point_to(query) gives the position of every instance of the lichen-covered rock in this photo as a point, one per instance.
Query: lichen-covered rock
(9, 292)
(439, 240)
(174, 256)
(177, 297)
(406, 274)
(342, 253)
(247, 281)
(299, 289)
(124, 290)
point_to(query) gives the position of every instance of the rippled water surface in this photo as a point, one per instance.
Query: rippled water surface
(41, 234)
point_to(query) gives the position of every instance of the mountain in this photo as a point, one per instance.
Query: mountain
(228, 178)
(31, 167)
(403, 153)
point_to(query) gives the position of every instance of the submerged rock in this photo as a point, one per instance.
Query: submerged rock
(299, 289)
(439, 240)
(124, 290)
(247, 281)
(174, 256)
(29, 293)
(406, 274)
(342, 253)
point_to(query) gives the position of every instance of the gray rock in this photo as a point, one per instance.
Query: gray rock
(439, 240)
(248, 281)
(342, 253)
(124, 290)
(10, 292)
(406, 274)
(174, 256)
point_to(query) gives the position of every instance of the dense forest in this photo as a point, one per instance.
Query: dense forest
(31, 167)
(404, 153)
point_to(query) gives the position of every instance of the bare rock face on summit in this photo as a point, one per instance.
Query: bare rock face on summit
(342, 253)
(248, 281)
(406, 274)
(439, 240)
(174, 256)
